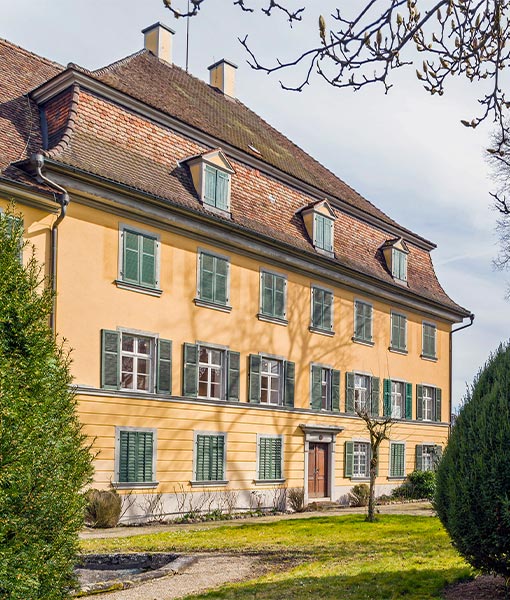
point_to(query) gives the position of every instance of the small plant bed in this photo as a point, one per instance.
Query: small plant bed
(484, 587)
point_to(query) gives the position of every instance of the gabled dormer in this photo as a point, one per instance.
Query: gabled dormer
(211, 172)
(395, 254)
(319, 220)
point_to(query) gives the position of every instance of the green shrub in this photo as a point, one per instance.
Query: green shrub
(473, 478)
(418, 485)
(359, 495)
(43, 462)
(103, 508)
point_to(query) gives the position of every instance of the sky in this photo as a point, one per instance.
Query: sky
(405, 151)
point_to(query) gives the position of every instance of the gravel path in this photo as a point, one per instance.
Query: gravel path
(210, 571)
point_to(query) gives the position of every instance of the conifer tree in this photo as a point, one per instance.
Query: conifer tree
(44, 462)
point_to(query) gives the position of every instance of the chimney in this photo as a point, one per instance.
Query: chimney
(223, 77)
(158, 39)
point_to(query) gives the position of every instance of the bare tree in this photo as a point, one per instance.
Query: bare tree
(363, 43)
(379, 430)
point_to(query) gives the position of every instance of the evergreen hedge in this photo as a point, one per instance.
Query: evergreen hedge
(43, 460)
(473, 479)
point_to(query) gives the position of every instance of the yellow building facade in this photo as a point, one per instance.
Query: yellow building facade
(229, 316)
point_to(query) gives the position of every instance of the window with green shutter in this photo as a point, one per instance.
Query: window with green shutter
(322, 309)
(399, 264)
(270, 458)
(273, 292)
(323, 232)
(135, 456)
(216, 184)
(324, 388)
(362, 321)
(398, 332)
(210, 457)
(213, 279)
(429, 340)
(139, 258)
(397, 460)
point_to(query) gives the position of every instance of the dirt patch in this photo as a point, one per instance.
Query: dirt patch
(484, 587)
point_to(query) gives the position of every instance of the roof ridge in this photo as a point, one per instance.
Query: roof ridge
(52, 63)
(65, 140)
(118, 62)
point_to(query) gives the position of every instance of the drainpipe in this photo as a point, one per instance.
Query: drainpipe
(63, 199)
(471, 319)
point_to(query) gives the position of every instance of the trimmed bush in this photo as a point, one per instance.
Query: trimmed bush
(473, 478)
(419, 485)
(359, 495)
(296, 499)
(103, 508)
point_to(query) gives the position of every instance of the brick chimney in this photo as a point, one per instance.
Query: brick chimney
(223, 77)
(158, 39)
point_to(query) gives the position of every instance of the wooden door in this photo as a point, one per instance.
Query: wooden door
(318, 470)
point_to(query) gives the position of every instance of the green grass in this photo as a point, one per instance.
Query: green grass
(341, 558)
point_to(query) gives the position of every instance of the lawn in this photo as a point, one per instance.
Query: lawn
(340, 557)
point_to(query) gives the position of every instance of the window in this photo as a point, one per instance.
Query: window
(398, 406)
(139, 258)
(271, 381)
(361, 393)
(322, 310)
(428, 403)
(210, 372)
(136, 362)
(213, 280)
(397, 401)
(325, 388)
(397, 459)
(362, 322)
(398, 332)
(273, 290)
(399, 265)
(209, 457)
(323, 232)
(135, 455)
(429, 340)
(216, 184)
(427, 457)
(361, 459)
(270, 457)
(13, 224)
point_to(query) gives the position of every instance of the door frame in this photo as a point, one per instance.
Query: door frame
(322, 434)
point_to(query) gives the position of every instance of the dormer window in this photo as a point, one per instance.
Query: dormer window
(395, 253)
(211, 173)
(319, 221)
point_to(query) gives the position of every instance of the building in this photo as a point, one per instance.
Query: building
(231, 303)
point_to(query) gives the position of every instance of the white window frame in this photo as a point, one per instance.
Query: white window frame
(393, 347)
(366, 443)
(403, 398)
(209, 366)
(135, 484)
(313, 327)
(120, 282)
(400, 443)
(263, 316)
(434, 326)
(154, 337)
(432, 401)
(206, 483)
(368, 392)
(257, 467)
(360, 340)
(213, 207)
(430, 455)
(281, 375)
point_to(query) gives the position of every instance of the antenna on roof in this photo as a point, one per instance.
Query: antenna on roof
(187, 39)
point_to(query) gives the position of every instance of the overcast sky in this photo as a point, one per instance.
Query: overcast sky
(406, 151)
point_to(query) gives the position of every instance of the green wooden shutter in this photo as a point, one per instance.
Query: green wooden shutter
(222, 190)
(263, 458)
(319, 231)
(387, 397)
(277, 458)
(409, 401)
(328, 230)
(267, 283)
(210, 185)
(148, 261)
(164, 372)
(335, 390)
(220, 292)
(279, 297)
(349, 393)
(327, 319)
(419, 457)
(254, 382)
(438, 455)
(289, 384)
(316, 387)
(375, 393)
(317, 307)
(110, 367)
(233, 381)
(349, 459)
(419, 402)
(190, 371)
(144, 456)
(217, 458)
(437, 413)
(123, 456)
(206, 290)
(397, 460)
(202, 452)
(131, 263)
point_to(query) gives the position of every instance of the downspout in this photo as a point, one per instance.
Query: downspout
(471, 319)
(63, 200)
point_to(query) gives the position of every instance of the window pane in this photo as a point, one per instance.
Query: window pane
(128, 343)
(127, 381)
(144, 345)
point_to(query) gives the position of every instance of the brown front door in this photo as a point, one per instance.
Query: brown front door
(317, 470)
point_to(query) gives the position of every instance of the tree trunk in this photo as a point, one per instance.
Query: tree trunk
(374, 459)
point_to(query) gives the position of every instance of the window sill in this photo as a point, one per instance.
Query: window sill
(327, 332)
(206, 304)
(269, 319)
(268, 481)
(396, 477)
(126, 485)
(208, 483)
(398, 351)
(328, 253)
(141, 289)
(359, 478)
(401, 282)
(363, 342)
(430, 358)
(217, 211)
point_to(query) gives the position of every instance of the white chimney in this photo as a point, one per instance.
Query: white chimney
(158, 40)
(223, 77)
